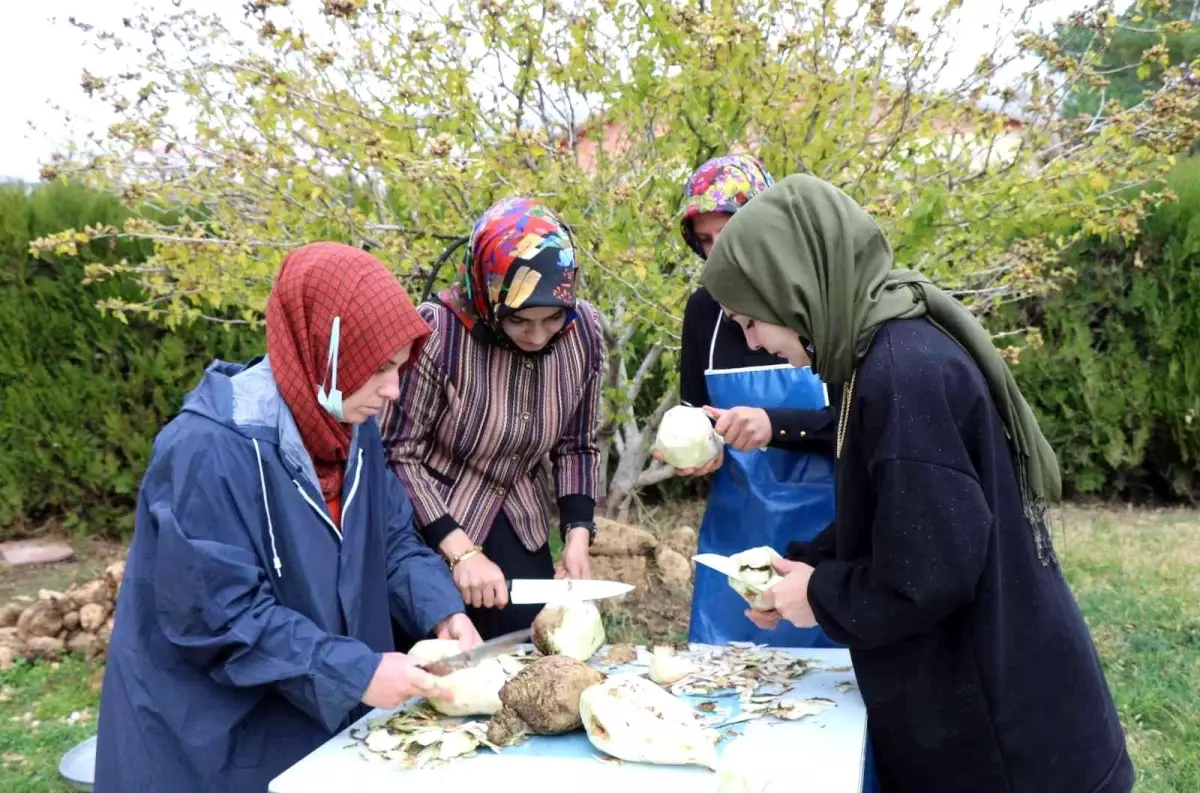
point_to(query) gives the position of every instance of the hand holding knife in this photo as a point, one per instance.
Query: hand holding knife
(528, 591)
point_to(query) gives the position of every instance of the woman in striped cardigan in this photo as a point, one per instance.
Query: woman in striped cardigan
(510, 375)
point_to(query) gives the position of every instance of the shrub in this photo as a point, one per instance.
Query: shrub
(1117, 382)
(81, 394)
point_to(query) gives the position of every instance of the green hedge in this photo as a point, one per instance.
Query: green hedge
(81, 394)
(1117, 384)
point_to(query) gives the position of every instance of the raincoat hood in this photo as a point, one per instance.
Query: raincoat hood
(246, 399)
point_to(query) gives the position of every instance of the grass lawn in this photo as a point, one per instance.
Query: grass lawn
(45, 709)
(1137, 577)
(1136, 574)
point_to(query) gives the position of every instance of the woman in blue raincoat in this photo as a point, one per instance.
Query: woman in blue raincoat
(271, 544)
(774, 482)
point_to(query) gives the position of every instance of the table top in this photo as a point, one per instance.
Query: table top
(826, 750)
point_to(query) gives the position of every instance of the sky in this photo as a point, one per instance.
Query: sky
(43, 58)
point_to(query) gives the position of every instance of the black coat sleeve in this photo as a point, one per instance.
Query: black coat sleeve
(817, 550)
(792, 428)
(698, 321)
(806, 430)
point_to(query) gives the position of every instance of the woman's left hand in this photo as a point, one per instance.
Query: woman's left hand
(576, 559)
(765, 620)
(789, 597)
(459, 626)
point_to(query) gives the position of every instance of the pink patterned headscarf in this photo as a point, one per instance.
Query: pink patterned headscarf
(723, 184)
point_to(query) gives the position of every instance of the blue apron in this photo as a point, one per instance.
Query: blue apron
(767, 496)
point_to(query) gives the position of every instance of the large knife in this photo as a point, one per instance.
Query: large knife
(522, 591)
(480, 652)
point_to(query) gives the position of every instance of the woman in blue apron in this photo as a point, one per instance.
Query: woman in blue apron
(773, 484)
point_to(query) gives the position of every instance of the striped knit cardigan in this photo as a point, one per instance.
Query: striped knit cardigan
(474, 421)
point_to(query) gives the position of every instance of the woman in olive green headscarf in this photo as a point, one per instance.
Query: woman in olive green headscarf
(976, 666)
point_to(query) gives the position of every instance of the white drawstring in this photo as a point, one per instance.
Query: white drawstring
(354, 487)
(324, 513)
(262, 479)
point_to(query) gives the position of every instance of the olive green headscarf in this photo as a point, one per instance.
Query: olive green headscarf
(804, 255)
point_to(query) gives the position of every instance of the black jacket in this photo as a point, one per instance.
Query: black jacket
(806, 430)
(976, 666)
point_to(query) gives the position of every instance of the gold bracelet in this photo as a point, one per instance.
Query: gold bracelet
(467, 554)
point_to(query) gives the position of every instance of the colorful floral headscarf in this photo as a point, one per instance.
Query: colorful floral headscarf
(723, 184)
(520, 256)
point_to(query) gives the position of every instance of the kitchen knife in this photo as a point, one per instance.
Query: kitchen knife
(722, 564)
(489, 649)
(548, 590)
(725, 565)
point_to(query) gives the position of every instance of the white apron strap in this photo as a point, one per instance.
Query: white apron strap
(712, 345)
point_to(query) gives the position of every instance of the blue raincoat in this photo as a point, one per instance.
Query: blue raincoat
(248, 625)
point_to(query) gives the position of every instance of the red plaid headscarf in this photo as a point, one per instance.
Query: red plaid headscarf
(316, 283)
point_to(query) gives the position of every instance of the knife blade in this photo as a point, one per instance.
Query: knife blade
(726, 566)
(489, 649)
(548, 590)
(722, 564)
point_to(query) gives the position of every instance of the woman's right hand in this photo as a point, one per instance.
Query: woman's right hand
(481, 582)
(397, 679)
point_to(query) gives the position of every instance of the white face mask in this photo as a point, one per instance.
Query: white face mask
(332, 401)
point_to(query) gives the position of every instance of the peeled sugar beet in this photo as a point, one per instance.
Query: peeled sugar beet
(476, 689)
(631, 718)
(571, 627)
(755, 574)
(430, 650)
(686, 437)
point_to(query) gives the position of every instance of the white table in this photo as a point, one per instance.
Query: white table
(819, 753)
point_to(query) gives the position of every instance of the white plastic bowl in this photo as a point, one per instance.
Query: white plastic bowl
(78, 766)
